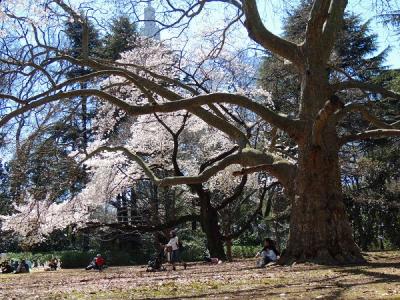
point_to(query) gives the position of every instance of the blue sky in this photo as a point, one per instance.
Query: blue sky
(272, 16)
(271, 11)
(385, 34)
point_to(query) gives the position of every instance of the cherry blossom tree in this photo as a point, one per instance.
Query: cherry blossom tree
(319, 228)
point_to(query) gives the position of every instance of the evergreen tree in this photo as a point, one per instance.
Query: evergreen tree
(121, 38)
(372, 190)
(352, 56)
(79, 124)
(74, 32)
(44, 170)
(392, 18)
(5, 197)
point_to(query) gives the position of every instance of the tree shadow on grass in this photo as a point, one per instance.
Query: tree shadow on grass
(256, 293)
(376, 277)
(379, 277)
(375, 265)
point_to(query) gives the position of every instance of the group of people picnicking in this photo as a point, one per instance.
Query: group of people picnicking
(25, 266)
(12, 266)
(171, 252)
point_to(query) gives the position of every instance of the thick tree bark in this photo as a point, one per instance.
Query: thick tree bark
(229, 250)
(319, 227)
(210, 226)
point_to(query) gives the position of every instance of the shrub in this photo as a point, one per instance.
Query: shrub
(75, 259)
(193, 251)
(244, 251)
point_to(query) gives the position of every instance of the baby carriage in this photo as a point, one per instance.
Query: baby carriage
(155, 263)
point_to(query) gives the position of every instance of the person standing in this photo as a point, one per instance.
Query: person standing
(173, 250)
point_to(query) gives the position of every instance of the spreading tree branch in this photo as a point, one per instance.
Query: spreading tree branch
(283, 171)
(278, 167)
(265, 38)
(361, 108)
(369, 134)
(332, 26)
(143, 227)
(365, 86)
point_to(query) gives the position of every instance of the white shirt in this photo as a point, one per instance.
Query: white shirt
(173, 242)
(270, 254)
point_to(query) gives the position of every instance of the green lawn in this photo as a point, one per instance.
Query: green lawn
(380, 279)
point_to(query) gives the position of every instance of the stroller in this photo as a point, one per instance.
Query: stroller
(155, 263)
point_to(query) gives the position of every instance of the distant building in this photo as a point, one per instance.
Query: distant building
(150, 28)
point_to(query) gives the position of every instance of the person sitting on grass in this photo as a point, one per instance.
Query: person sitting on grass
(100, 262)
(268, 254)
(6, 268)
(208, 259)
(172, 250)
(22, 267)
(14, 264)
(52, 266)
(97, 263)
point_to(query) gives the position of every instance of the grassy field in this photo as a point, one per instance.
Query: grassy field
(379, 279)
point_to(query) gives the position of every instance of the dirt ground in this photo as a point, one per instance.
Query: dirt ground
(379, 279)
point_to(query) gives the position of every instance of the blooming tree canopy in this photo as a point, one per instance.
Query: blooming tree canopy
(160, 84)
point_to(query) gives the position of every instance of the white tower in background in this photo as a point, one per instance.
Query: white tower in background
(150, 28)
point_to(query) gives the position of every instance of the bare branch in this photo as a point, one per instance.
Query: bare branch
(265, 38)
(365, 86)
(218, 158)
(370, 134)
(281, 169)
(144, 227)
(362, 108)
(64, 95)
(332, 26)
(237, 192)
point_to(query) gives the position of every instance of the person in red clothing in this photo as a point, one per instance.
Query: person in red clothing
(99, 261)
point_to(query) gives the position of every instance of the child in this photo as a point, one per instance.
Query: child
(268, 254)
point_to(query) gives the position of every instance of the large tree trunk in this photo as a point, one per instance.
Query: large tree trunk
(229, 255)
(209, 223)
(319, 227)
(210, 226)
